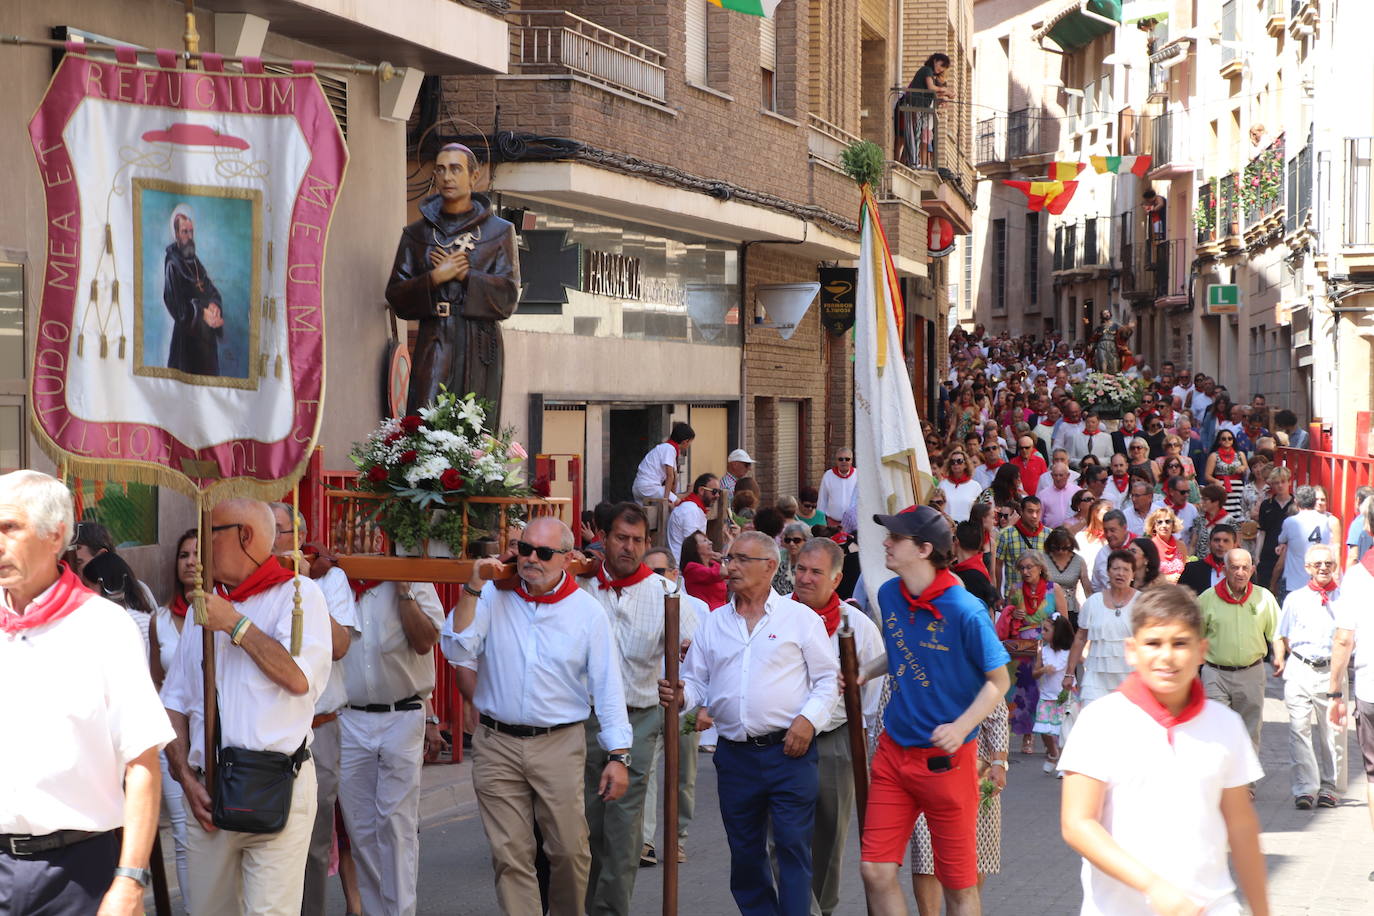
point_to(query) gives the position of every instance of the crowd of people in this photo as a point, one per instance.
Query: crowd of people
(1117, 586)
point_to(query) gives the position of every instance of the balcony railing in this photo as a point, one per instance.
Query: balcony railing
(1261, 185)
(1228, 206)
(1300, 173)
(990, 140)
(900, 183)
(1083, 245)
(1205, 215)
(826, 141)
(1359, 205)
(557, 42)
(919, 137)
(1023, 133)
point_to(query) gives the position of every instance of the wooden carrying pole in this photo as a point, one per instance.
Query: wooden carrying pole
(672, 729)
(854, 714)
(207, 658)
(162, 899)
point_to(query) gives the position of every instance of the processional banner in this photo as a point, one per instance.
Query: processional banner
(180, 338)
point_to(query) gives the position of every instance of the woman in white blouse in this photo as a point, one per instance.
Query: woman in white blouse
(960, 489)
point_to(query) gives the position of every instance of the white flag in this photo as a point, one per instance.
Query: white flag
(888, 446)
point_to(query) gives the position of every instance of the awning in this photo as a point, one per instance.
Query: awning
(1080, 22)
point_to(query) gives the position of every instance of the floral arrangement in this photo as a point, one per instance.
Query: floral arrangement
(1261, 187)
(430, 460)
(1109, 393)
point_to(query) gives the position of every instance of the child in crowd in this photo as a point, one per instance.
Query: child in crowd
(1157, 780)
(1055, 642)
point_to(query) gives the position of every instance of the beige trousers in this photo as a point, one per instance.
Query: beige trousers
(522, 780)
(253, 874)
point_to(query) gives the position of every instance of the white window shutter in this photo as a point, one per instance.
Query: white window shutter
(696, 42)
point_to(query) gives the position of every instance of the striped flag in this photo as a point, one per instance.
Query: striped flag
(1135, 165)
(891, 459)
(1065, 171)
(762, 8)
(1053, 196)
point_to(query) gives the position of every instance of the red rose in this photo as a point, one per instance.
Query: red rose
(409, 456)
(451, 479)
(377, 473)
(411, 423)
(394, 437)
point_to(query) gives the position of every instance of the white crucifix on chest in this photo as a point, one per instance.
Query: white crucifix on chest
(464, 243)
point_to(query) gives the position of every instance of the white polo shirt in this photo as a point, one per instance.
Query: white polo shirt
(1355, 612)
(78, 705)
(380, 666)
(1163, 801)
(338, 597)
(651, 476)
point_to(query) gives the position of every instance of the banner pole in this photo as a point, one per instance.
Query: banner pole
(207, 649)
(672, 729)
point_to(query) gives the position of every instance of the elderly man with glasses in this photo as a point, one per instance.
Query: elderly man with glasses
(1029, 462)
(767, 712)
(693, 512)
(837, 487)
(538, 628)
(1302, 651)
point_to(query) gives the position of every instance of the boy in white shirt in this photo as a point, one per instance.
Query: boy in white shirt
(1157, 781)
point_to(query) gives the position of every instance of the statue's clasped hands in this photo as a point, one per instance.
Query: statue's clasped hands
(446, 267)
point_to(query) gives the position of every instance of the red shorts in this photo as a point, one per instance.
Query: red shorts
(902, 788)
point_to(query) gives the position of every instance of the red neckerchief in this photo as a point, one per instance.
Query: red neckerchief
(830, 614)
(360, 586)
(1325, 593)
(837, 473)
(641, 573)
(64, 596)
(958, 480)
(1168, 550)
(944, 580)
(1030, 535)
(1216, 564)
(515, 584)
(1223, 591)
(1032, 599)
(1254, 432)
(1213, 519)
(992, 466)
(268, 575)
(1121, 482)
(1177, 507)
(693, 498)
(1227, 455)
(677, 446)
(179, 605)
(1134, 689)
(974, 562)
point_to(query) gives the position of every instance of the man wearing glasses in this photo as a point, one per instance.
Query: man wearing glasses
(765, 667)
(1303, 652)
(545, 656)
(1301, 531)
(837, 487)
(692, 513)
(1029, 462)
(992, 460)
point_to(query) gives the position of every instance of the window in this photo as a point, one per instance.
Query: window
(696, 56)
(1033, 258)
(13, 366)
(968, 275)
(768, 62)
(999, 265)
(789, 448)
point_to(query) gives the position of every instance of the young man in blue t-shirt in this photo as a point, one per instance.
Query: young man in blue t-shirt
(947, 670)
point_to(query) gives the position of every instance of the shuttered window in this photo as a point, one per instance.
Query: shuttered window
(768, 62)
(696, 42)
(789, 447)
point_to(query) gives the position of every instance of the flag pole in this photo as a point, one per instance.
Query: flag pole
(854, 715)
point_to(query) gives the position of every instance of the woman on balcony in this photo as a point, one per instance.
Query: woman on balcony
(914, 117)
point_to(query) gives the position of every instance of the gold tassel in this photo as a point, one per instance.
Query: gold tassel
(198, 592)
(80, 345)
(277, 369)
(95, 289)
(104, 347)
(297, 615)
(121, 346)
(270, 249)
(109, 239)
(114, 291)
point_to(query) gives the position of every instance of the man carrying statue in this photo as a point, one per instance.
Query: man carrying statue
(456, 272)
(1110, 353)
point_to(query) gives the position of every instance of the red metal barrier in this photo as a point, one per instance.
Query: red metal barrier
(1339, 475)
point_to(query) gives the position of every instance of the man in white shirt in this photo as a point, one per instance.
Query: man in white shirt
(1118, 488)
(656, 477)
(528, 755)
(693, 512)
(765, 668)
(324, 741)
(1072, 422)
(388, 673)
(1176, 493)
(1090, 440)
(838, 486)
(819, 569)
(632, 597)
(1355, 629)
(1303, 650)
(738, 465)
(1300, 531)
(1056, 495)
(82, 721)
(1138, 508)
(1116, 534)
(266, 701)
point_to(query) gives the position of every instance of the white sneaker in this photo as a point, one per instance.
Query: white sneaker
(1048, 767)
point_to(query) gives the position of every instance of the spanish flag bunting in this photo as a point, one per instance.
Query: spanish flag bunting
(1066, 171)
(1135, 165)
(1053, 196)
(762, 8)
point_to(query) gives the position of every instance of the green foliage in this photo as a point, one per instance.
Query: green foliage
(863, 161)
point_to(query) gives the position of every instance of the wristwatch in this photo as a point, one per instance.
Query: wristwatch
(619, 758)
(998, 763)
(405, 596)
(1335, 695)
(141, 875)
(431, 720)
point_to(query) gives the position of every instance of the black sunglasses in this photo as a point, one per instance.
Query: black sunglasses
(794, 540)
(524, 548)
(661, 570)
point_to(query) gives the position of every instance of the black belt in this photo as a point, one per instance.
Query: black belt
(522, 731)
(1235, 667)
(1312, 662)
(18, 844)
(767, 740)
(411, 702)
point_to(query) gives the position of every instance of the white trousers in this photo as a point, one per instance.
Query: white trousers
(380, 757)
(176, 814)
(1315, 746)
(253, 874)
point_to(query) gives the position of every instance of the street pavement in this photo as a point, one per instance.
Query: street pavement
(1319, 861)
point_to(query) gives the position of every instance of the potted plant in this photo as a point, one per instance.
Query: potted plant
(427, 463)
(1110, 395)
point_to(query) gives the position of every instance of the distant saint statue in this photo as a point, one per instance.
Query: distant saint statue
(192, 300)
(457, 273)
(1110, 350)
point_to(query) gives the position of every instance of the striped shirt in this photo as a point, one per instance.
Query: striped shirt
(636, 617)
